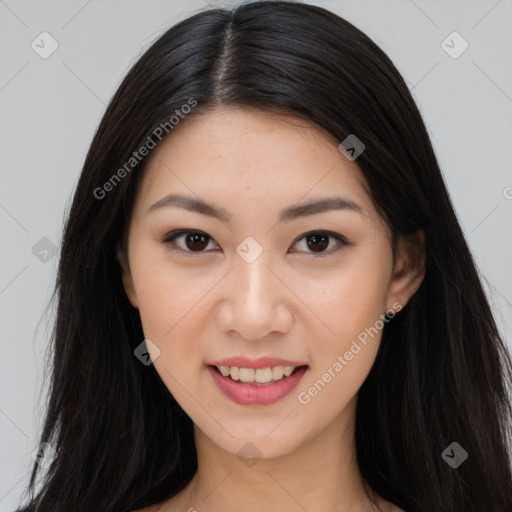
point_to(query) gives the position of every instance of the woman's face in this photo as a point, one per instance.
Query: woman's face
(248, 281)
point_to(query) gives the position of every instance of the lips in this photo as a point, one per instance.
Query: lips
(262, 362)
(251, 394)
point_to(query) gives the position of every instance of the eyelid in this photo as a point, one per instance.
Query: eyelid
(170, 237)
(342, 241)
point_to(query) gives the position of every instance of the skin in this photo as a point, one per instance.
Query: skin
(291, 302)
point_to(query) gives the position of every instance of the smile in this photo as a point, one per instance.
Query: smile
(256, 386)
(258, 376)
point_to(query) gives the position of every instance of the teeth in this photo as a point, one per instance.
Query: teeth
(287, 370)
(277, 372)
(246, 374)
(263, 375)
(259, 376)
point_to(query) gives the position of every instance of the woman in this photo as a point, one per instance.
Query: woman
(265, 296)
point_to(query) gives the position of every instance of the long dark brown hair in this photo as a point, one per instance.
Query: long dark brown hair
(442, 369)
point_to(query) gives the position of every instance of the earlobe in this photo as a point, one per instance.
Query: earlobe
(126, 276)
(409, 270)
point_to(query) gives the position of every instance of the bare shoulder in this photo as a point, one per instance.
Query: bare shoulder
(387, 506)
(393, 508)
(154, 508)
(171, 505)
(177, 503)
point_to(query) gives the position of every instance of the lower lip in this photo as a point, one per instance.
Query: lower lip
(246, 394)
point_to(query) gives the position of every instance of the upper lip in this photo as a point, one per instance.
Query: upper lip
(262, 362)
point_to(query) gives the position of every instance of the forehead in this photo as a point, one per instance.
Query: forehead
(238, 155)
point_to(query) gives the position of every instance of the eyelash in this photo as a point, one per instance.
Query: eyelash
(173, 235)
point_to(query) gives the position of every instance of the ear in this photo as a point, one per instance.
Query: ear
(129, 288)
(409, 269)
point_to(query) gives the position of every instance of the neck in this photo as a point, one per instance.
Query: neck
(320, 474)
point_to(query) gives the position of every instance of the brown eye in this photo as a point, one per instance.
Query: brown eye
(317, 242)
(194, 241)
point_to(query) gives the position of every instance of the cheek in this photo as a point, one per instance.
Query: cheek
(351, 300)
(168, 300)
(169, 305)
(351, 306)
(350, 303)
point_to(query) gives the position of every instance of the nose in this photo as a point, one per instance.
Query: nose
(256, 300)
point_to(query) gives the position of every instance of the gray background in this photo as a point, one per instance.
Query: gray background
(51, 107)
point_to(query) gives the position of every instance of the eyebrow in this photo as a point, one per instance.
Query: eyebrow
(292, 212)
